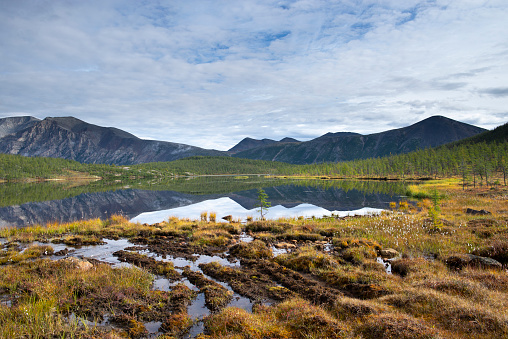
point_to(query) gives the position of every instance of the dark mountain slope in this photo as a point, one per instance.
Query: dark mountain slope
(498, 134)
(334, 147)
(71, 138)
(249, 143)
(14, 124)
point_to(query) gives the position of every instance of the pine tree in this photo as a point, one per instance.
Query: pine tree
(263, 203)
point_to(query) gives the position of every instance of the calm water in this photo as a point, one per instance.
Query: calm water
(40, 203)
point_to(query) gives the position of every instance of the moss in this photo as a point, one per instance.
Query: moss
(79, 240)
(268, 226)
(357, 255)
(451, 313)
(307, 259)
(291, 319)
(32, 252)
(136, 329)
(163, 268)
(385, 326)
(252, 250)
(177, 324)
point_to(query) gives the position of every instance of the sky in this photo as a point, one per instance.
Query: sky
(209, 73)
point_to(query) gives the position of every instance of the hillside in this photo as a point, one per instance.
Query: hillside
(71, 138)
(249, 143)
(498, 134)
(342, 146)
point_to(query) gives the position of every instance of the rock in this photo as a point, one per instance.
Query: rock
(459, 261)
(388, 253)
(83, 265)
(284, 245)
(476, 212)
(228, 218)
(62, 252)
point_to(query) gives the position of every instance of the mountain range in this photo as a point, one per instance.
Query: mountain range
(344, 146)
(71, 138)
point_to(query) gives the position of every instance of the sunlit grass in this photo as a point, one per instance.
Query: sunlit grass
(424, 298)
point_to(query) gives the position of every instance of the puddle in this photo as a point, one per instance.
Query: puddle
(278, 251)
(5, 300)
(99, 252)
(153, 328)
(162, 284)
(197, 310)
(195, 330)
(193, 264)
(386, 264)
(241, 302)
(245, 237)
(86, 323)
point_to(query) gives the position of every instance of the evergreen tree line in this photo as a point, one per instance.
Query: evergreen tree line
(17, 167)
(474, 163)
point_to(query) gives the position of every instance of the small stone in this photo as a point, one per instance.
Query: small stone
(460, 261)
(62, 252)
(284, 245)
(477, 212)
(83, 265)
(388, 253)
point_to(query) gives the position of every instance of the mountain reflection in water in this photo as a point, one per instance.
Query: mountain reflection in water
(288, 200)
(227, 206)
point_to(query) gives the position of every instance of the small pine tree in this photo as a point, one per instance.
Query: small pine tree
(263, 203)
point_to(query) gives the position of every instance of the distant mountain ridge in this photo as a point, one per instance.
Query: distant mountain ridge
(249, 143)
(71, 138)
(345, 146)
(74, 139)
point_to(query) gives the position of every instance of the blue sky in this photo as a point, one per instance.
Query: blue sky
(209, 73)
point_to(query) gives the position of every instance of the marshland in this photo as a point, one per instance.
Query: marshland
(424, 268)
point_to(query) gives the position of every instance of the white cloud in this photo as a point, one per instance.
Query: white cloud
(196, 71)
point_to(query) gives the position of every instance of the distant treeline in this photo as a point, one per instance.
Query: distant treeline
(475, 163)
(203, 165)
(17, 167)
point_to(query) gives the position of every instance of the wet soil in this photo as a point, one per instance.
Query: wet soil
(211, 274)
(177, 247)
(296, 282)
(216, 295)
(166, 269)
(249, 283)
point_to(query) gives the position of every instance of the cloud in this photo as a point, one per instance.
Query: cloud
(496, 92)
(210, 73)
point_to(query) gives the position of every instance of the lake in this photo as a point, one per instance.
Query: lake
(154, 201)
